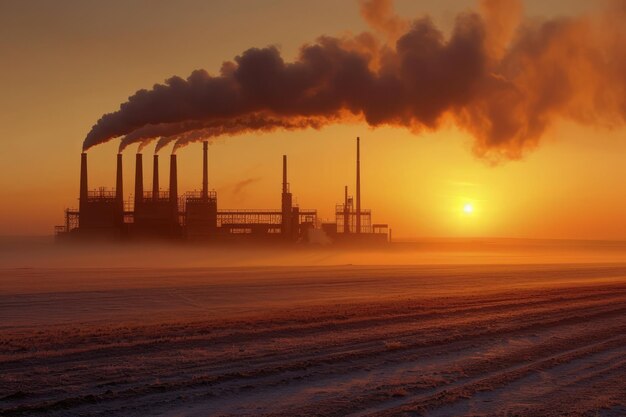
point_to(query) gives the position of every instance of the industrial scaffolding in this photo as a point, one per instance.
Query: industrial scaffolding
(195, 215)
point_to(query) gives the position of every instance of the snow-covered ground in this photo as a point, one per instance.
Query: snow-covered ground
(345, 340)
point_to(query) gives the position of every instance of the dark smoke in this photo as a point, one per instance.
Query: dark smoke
(236, 127)
(241, 185)
(185, 132)
(503, 79)
(149, 132)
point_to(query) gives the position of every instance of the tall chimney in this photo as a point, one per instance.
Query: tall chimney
(286, 204)
(119, 183)
(83, 181)
(358, 185)
(155, 178)
(346, 212)
(173, 184)
(285, 174)
(205, 169)
(138, 180)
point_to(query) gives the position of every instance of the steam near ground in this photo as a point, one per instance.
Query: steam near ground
(27, 252)
(438, 327)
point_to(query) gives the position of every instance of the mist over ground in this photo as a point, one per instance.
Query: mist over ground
(34, 252)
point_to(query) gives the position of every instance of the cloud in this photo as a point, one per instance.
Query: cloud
(502, 78)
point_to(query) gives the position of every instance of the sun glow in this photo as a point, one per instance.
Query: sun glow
(468, 208)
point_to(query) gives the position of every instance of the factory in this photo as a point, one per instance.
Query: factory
(194, 216)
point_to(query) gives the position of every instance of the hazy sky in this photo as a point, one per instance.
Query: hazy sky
(66, 63)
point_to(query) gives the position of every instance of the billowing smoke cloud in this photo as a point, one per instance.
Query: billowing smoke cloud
(381, 17)
(504, 79)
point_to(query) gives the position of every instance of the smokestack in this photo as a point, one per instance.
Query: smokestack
(173, 183)
(138, 180)
(205, 169)
(83, 181)
(285, 174)
(346, 212)
(358, 185)
(119, 183)
(155, 178)
(286, 204)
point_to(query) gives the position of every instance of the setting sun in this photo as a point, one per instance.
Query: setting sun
(468, 208)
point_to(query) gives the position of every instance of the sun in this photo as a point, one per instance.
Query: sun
(468, 208)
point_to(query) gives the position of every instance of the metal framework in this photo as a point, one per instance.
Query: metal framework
(195, 197)
(257, 217)
(71, 222)
(342, 213)
(380, 228)
(102, 194)
(160, 195)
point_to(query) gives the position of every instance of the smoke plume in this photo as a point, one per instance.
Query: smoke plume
(239, 187)
(149, 132)
(502, 78)
(238, 126)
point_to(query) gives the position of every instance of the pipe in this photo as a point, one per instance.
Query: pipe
(83, 181)
(138, 180)
(155, 178)
(119, 183)
(358, 185)
(205, 170)
(346, 212)
(286, 204)
(285, 174)
(173, 183)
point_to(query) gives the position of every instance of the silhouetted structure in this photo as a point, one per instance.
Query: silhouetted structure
(195, 215)
(353, 224)
(201, 208)
(100, 212)
(156, 213)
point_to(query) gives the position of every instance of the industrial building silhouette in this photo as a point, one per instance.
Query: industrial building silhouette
(195, 216)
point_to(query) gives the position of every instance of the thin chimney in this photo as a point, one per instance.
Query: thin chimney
(205, 170)
(138, 180)
(358, 185)
(346, 212)
(173, 183)
(119, 183)
(285, 174)
(286, 204)
(83, 181)
(155, 178)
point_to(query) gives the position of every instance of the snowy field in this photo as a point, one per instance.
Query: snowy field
(487, 334)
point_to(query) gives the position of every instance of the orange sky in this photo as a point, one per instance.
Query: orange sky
(65, 64)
